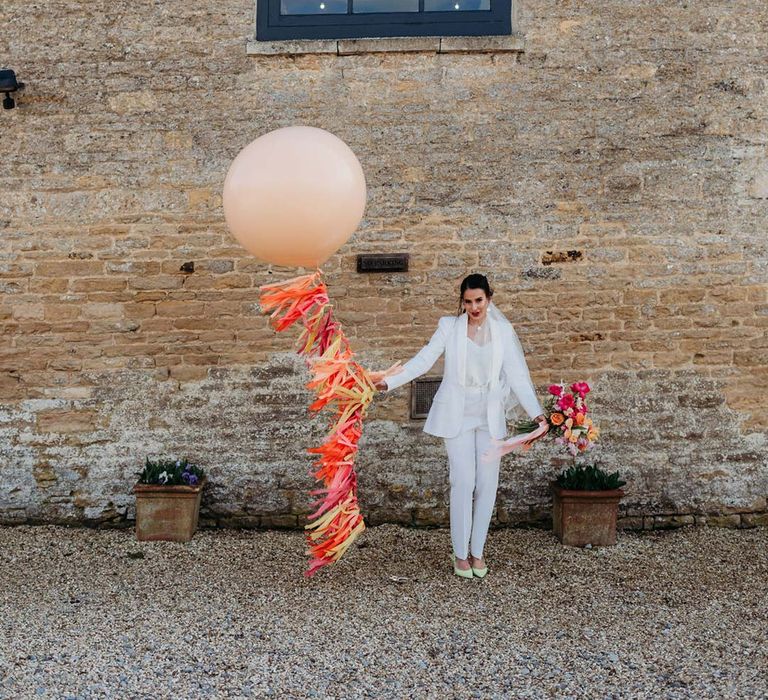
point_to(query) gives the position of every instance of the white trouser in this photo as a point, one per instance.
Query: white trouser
(471, 473)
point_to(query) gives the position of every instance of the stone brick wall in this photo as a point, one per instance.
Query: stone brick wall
(611, 177)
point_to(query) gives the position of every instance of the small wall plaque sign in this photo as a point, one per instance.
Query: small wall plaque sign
(382, 262)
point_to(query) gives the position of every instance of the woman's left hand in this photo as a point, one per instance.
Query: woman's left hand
(543, 423)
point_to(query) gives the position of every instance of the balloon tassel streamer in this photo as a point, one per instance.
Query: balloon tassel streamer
(340, 385)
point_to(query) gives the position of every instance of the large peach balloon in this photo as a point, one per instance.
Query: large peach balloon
(294, 196)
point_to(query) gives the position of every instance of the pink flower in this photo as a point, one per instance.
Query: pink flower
(580, 388)
(556, 390)
(566, 401)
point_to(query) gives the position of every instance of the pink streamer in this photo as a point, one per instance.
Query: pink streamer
(503, 447)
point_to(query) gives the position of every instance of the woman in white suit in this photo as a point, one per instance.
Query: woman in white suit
(485, 375)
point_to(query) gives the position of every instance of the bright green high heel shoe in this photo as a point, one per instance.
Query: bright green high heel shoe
(464, 573)
(479, 572)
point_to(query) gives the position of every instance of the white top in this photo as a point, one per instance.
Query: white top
(478, 371)
(509, 376)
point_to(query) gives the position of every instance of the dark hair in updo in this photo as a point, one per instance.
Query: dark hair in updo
(473, 281)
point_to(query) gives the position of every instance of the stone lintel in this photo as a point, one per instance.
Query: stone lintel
(482, 44)
(420, 44)
(292, 47)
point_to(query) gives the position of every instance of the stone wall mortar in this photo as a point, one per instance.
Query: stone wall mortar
(611, 177)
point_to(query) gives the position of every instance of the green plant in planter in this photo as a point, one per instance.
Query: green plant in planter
(588, 477)
(171, 472)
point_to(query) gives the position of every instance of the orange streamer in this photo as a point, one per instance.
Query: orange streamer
(342, 386)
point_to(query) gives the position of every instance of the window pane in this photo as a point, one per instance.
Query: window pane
(385, 6)
(313, 7)
(447, 5)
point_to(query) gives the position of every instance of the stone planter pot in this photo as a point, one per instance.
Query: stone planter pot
(167, 512)
(585, 517)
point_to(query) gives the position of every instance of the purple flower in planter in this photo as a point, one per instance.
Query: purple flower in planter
(178, 462)
(186, 477)
(192, 480)
(188, 467)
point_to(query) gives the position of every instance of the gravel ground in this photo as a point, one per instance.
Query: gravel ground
(95, 614)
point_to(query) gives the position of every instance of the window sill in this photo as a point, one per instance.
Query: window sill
(350, 47)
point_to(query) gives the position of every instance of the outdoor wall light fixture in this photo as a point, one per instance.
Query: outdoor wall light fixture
(9, 84)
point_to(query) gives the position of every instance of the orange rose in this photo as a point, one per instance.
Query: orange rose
(556, 418)
(579, 419)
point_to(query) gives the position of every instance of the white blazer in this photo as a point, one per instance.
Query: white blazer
(509, 373)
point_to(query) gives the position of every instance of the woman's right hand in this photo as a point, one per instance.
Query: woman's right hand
(379, 378)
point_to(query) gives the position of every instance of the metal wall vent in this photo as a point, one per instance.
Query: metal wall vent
(422, 392)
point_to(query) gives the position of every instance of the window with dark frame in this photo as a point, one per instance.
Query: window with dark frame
(354, 19)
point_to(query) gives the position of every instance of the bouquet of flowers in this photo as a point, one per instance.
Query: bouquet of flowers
(566, 412)
(569, 423)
